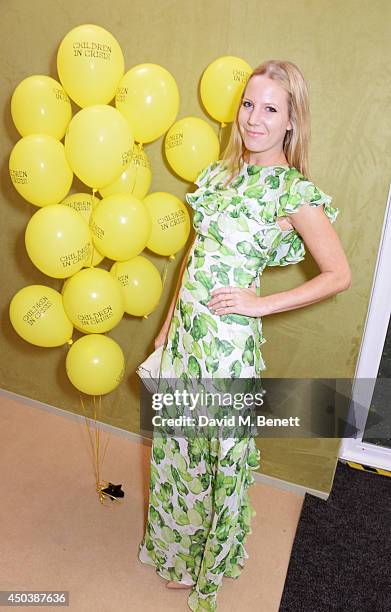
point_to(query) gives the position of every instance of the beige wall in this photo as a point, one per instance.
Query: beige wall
(342, 47)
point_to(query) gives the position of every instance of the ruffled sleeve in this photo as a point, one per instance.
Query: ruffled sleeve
(289, 249)
(302, 191)
(206, 174)
(205, 181)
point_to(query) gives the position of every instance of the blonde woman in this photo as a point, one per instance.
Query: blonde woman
(256, 207)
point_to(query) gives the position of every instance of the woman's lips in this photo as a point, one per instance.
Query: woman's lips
(254, 133)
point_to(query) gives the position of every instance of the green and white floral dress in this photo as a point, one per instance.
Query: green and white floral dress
(199, 510)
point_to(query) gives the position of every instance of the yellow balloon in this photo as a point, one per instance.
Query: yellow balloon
(135, 179)
(84, 203)
(170, 223)
(141, 284)
(120, 226)
(39, 169)
(90, 64)
(58, 241)
(190, 145)
(148, 97)
(221, 86)
(95, 364)
(93, 301)
(38, 316)
(39, 105)
(98, 145)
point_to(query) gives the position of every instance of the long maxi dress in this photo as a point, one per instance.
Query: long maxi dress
(199, 512)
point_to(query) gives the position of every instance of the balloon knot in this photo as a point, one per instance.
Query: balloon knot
(223, 125)
(172, 257)
(140, 145)
(70, 342)
(145, 316)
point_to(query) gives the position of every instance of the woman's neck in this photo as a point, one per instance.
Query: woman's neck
(280, 161)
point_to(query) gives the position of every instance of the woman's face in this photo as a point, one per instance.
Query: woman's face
(263, 118)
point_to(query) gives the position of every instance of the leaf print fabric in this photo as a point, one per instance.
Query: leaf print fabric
(290, 249)
(199, 511)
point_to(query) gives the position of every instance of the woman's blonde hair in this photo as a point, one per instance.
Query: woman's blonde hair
(296, 141)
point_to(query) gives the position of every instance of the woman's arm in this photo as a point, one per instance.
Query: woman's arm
(325, 246)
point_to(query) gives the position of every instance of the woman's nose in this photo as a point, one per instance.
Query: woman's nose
(254, 118)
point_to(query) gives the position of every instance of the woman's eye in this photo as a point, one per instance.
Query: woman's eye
(272, 107)
(246, 102)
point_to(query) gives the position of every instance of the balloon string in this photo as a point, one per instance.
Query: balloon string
(140, 147)
(95, 446)
(108, 437)
(165, 270)
(135, 177)
(90, 437)
(92, 244)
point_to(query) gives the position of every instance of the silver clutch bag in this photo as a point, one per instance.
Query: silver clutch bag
(149, 369)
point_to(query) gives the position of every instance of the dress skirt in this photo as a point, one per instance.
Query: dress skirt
(199, 512)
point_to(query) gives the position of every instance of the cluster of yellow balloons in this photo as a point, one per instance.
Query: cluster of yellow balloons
(70, 234)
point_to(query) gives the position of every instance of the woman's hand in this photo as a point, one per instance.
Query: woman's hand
(236, 300)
